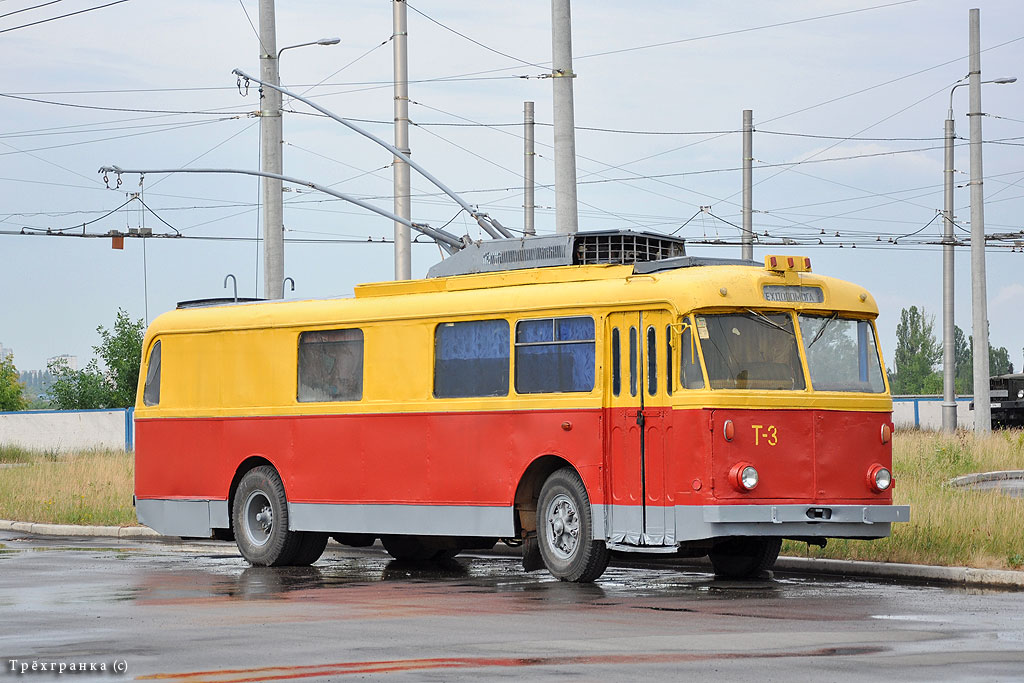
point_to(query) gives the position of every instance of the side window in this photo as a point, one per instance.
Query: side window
(554, 355)
(668, 360)
(471, 359)
(331, 365)
(616, 362)
(690, 376)
(652, 361)
(632, 362)
(151, 392)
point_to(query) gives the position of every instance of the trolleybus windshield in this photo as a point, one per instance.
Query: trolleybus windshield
(760, 351)
(750, 350)
(841, 354)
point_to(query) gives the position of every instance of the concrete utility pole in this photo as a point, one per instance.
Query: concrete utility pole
(949, 418)
(270, 152)
(979, 295)
(528, 160)
(747, 237)
(948, 324)
(566, 214)
(403, 184)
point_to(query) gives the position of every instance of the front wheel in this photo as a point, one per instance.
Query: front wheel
(260, 520)
(744, 557)
(565, 529)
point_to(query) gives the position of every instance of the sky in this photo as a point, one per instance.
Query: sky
(848, 101)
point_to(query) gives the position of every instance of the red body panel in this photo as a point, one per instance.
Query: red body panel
(804, 456)
(478, 458)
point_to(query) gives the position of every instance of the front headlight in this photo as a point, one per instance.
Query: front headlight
(744, 477)
(879, 478)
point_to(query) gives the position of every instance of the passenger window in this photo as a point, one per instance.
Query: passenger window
(616, 363)
(554, 355)
(668, 360)
(331, 365)
(151, 391)
(652, 361)
(471, 359)
(632, 361)
(690, 376)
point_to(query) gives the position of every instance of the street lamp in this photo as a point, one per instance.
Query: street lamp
(948, 240)
(271, 143)
(322, 41)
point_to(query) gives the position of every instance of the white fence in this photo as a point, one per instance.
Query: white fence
(925, 412)
(67, 430)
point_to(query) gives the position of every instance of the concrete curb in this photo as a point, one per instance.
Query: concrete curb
(77, 530)
(913, 572)
(968, 479)
(966, 576)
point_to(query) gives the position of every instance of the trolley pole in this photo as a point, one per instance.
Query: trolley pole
(403, 184)
(948, 324)
(566, 214)
(747, 237)
(528, 178)
(979, 296)
(271, 153)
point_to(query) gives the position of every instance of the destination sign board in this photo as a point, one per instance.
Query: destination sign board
(794, 294)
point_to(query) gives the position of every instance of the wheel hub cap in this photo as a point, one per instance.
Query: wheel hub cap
(563, 526)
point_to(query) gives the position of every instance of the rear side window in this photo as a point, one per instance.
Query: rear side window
(471, 359)
(151, 392)
(555, 355)
(331, 365)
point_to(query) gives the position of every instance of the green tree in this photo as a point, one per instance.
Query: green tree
(11, 389)
(963, 356)
(113, 385)
(917, 352)
(998, 362)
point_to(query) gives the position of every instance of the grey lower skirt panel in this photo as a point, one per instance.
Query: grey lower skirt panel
(430, 520)
(183, 517)
(624, 523)
(200, 517)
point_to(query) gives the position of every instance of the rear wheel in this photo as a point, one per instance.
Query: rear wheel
(310, 549)
(744, 557)
(565, 529)
(260, 520)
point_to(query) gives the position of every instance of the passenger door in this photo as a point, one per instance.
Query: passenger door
(638, 385)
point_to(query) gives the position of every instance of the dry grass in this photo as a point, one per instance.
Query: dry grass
(951, 527)
(81, 488)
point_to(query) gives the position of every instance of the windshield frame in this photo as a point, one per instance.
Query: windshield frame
(794, 316)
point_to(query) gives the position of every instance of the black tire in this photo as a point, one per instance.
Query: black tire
(419, 548)
(565, 529)
(310, 549)
(355, 540)
(744, 557)
(259, 518)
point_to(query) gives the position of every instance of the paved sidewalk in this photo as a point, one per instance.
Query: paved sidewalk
(966, 576)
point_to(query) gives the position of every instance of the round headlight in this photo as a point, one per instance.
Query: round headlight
(743, 477)
(879, 478)
(1020, 393)
(748, 478)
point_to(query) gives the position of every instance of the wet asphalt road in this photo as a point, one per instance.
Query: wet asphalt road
(196, 612)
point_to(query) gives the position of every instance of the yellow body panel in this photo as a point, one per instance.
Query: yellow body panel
(240, 359)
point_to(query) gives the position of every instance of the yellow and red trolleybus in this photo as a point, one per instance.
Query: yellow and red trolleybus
(680, 405)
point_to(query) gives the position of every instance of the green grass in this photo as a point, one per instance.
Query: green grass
(17, 454)
(948, 526)
(92, 487)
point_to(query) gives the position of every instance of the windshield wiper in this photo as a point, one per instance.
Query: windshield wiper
(769, 321)
(821, 330)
